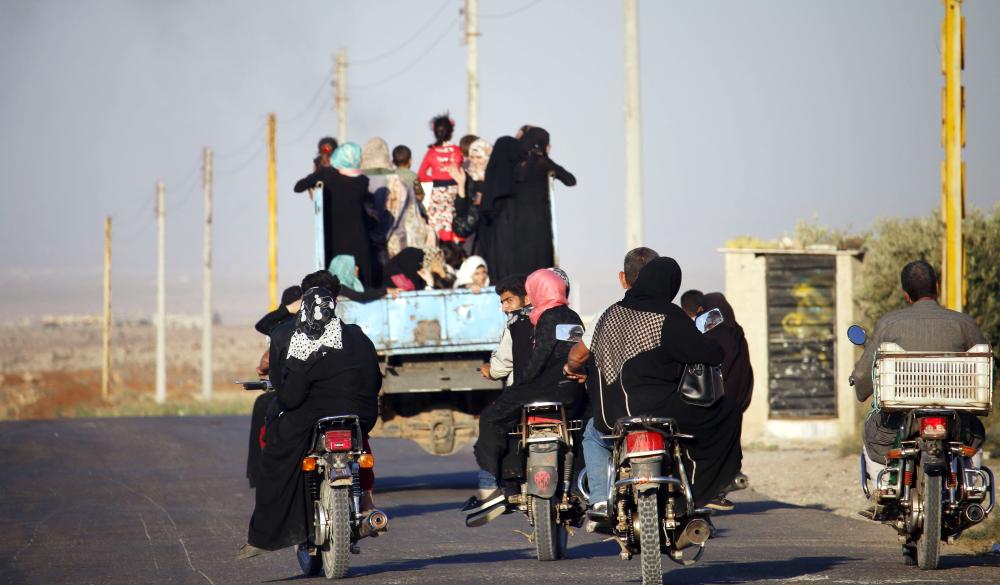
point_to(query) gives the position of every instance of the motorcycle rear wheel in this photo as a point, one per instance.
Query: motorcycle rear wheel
(929, 543)
(550, 538)
(336, 551)
(649, 538)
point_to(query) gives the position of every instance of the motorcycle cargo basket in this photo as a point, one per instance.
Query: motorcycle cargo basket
(905, 380)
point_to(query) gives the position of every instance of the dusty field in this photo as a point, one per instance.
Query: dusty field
(56, 371)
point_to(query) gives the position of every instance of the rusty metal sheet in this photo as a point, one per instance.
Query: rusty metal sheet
(801, 312)
(421, 322)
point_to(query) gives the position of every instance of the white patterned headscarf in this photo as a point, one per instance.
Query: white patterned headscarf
(318, 325)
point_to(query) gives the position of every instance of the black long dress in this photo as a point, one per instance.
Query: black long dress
(343, 381)
(542, 380)
(639, 348)
(497, 233)
(345, 221)
(533, 248)
(281, 335)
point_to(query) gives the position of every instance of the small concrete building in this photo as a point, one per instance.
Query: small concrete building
(795, 307)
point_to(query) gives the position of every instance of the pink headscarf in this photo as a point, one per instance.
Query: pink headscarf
(546, 290)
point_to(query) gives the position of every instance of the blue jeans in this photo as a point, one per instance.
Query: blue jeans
(487, 481)
(596, 454)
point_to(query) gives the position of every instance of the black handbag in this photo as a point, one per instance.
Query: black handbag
(701, 385)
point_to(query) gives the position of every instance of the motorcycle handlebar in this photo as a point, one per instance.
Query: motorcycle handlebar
(255, 384)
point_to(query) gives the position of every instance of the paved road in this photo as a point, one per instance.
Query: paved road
(164, 500)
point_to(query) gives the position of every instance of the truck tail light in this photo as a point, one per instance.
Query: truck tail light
(338, 440)
(933, 427)
(643, 442)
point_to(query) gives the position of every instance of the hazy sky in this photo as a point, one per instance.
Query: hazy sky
(754, 114)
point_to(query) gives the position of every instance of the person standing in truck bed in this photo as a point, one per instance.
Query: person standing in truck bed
(345, 194)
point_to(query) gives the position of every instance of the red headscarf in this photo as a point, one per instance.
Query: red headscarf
(546, 290)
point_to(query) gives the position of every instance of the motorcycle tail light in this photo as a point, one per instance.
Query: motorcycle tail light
(338, 440)
(933, 427)
(644, 442)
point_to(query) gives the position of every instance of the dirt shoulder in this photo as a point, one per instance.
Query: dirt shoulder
(826, 480)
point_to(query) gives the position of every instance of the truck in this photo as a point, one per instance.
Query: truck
(431, 345)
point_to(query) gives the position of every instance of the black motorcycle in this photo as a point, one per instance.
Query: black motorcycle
(333, 492)
(650, 503)
(931, 489)
(546, 497)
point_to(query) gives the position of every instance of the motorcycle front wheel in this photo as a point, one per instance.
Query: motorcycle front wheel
(649, 538)
(336, 551)
(550, 538)
(929, 544)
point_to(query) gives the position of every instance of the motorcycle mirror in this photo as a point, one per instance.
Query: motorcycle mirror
(857, 334)
(708, 320)
(569, 332)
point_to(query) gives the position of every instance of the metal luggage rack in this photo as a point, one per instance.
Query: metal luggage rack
(904, 380)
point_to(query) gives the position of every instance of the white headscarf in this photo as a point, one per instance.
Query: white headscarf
(468, 269)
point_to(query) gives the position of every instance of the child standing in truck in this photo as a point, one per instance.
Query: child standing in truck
(441, 156)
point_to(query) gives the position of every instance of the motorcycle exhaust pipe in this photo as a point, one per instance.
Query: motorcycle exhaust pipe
(371, 525)
(696, 532)
(974, 513)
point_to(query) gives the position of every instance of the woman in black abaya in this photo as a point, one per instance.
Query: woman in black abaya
(345, 221)
(331, 369)
(639, 348)
(736, 369)
(498, 224)
(533, 248)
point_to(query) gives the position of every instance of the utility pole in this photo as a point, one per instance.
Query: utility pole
(633, 139)
(272, 213)
(953, 168)
(472, 62)
(206, 278)
(161, 301)
(106, 346)
(340, 95)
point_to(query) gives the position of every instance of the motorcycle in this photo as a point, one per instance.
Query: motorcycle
(546, 497)
(333, 492)
(650, 504)
(932, 488)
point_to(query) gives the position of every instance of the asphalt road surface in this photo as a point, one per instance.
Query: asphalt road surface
(165, 500)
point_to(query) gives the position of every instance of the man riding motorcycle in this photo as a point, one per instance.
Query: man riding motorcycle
(638, 351)
(923, 325)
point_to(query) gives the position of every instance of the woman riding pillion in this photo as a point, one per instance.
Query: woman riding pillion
(637, 354)
(542, 380)
(331, 369)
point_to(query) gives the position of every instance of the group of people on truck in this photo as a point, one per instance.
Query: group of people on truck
(381, 236)
(471, 212)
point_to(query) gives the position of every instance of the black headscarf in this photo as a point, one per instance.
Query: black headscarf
(408, 262)
(655, 287)
(317, 329)
(736, 369)
(534, 142)
(500, 172)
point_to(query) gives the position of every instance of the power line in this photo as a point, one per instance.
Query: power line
(408, 40)
(522, 8)
(243, 164)
(312, 102)
(308, 129)
(412, 63)
(256, 136)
